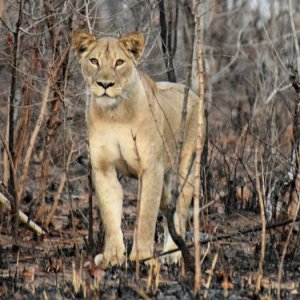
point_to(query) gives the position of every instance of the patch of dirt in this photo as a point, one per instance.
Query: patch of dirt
(58, 266)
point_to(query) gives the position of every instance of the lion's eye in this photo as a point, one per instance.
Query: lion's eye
(94, 61)
(119, 62)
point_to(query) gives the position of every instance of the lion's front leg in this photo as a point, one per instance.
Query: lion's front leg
(110, 197)
(150, 186)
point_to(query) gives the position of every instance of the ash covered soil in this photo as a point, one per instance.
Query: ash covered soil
(59, 266)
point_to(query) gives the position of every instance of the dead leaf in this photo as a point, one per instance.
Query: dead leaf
(226, 285)
(29, 274)
(209, 272)
(243, 195)
(96, 272)
(3, 289)
(54, 265)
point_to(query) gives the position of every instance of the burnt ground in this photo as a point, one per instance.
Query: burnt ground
(59, 267)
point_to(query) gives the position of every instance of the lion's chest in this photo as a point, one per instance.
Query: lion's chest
(114, 146)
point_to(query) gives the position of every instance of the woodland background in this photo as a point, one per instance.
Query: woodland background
(252, 66)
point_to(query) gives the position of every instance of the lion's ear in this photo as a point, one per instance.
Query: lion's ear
(82, 41)
(134, 43)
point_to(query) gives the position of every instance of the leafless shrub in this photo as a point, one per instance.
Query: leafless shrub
(252, 98)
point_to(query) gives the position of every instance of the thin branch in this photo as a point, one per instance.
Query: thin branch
(294, 36)
(217, 77)
(287, 242)
(211, 273)
(33, 139)
(295, 151)
(263, 224)
(87, 17)
(138, 210)
(6, 26)
(90, 209)
(230, 235)
(200, 144)
(274, 49)
(11, 137)
(175, 192)
(52, 74)
(6, 154)
(159, 130)
(24, 218)
(279, 88)
(166, 34)
(60, 188)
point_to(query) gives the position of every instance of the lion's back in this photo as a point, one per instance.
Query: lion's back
(174, 93)
(171, 96)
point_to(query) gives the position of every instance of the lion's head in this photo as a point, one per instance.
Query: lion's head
(108, 65)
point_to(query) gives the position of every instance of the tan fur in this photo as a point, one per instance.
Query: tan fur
(133, 126)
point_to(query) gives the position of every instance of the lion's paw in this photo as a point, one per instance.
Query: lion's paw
(110, 258)
(99, 259)
(172, 258)
(142, 254)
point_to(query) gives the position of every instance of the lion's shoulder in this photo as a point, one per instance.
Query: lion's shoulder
(148, 84)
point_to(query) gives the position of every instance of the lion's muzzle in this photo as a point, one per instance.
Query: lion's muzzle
(105, 85)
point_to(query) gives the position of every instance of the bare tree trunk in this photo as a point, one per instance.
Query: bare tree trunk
(260, 193)
(12, 183)
(295, 78)
(200, 145)
(90, 212)
(24, 121)
(52, 122)
(1, 10)
(187, 258)
(168, 33)
(57, 197)
(35, 132)
(6, 165)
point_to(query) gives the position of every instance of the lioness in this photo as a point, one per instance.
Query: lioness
(133, 125)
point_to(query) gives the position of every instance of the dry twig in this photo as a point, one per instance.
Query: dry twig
(137, 266)
(32, 140)
(12, 184)
(296, 146)
(263, 225)
(213, 265)
(24, 218)
(52, 77)
(175, 191)
(139, 291)
(233, 234)
(199, 147)
(57, 197)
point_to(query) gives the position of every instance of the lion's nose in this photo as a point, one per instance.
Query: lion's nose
(105, 85)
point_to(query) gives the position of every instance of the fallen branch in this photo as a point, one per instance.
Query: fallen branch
(24, 218)
(139, 291)
(230, 235)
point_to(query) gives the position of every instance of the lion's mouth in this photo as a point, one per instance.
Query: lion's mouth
(105, 96)
(105, 101)
(106, 93)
